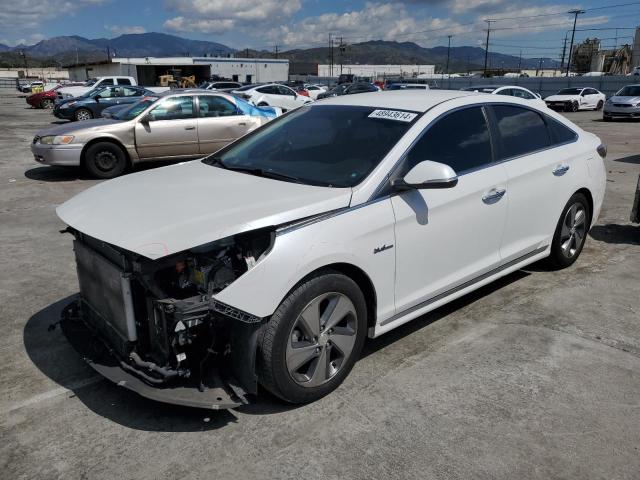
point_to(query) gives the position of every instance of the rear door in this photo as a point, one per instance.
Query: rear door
(536, 154)
(170, 130)
(220, 122)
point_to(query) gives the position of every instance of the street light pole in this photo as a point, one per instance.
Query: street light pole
(575, 12)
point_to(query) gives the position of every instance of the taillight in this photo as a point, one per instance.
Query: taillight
(602, 150)
(303, 92)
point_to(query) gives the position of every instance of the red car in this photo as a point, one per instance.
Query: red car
(44, 99)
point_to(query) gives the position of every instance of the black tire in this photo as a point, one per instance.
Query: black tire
(105, 160)
(273, 372)
(575, 107)
(600, 105)
(46, 103)
(562, 258)
(82, 114)
(606, 118)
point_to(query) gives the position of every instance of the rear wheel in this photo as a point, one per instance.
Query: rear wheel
(46, 103)
(571, 232)
(83, 114)
(313, 339)
(105, 160)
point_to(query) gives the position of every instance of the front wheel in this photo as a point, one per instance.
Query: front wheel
(105, 160)
(313, 339)
(83, 114)
(575, 107)
(600, 105)
(571, 232)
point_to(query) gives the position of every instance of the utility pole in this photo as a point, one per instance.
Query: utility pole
(342, 49)
(330, 56)
(448, 53)
(575, 12)
(486, 48)
(276, 51)
(564, 50)
(520, 62)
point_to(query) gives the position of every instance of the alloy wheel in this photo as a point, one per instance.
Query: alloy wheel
(322, 339)
(573, 230)
(83, 115)
(47, 103)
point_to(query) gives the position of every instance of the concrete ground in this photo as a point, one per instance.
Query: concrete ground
(534, 377)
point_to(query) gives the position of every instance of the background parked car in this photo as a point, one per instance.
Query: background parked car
(94, 102)
(272, 95)
(314, 90)
(510, 90)
(624, 104)
(178, 125)
(350, 89)
(224, 86)
(574, 99)
(45, 99)
(407, 86)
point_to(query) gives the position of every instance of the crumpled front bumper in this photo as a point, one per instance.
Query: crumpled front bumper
(214, 393)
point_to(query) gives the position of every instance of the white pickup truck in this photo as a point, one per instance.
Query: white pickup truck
(93, 83)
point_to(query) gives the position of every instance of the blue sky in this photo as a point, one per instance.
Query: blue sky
(306, 23)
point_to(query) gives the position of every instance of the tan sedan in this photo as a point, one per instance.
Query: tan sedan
(177, 125)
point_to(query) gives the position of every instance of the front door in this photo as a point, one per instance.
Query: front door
(170, 130)
(220, 123)
(447, 237)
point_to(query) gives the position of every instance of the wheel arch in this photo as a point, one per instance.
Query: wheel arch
(587, 193)
(107, 140)
(356, 274)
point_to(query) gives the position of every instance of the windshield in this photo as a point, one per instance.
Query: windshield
(480, 89)
(90, 82)
(570, 91)
(248, 87)
(629, 91)
(136, 109)
(92, 92)
(340, 145)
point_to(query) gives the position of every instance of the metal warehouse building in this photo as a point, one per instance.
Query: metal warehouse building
(146, 70)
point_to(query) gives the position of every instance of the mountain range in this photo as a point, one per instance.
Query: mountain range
(75, 49)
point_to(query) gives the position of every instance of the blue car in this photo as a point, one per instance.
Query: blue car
(91, 104)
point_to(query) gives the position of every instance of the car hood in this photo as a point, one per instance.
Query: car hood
(621, 99)
(96, 124)
(159, 212)
(559, 98)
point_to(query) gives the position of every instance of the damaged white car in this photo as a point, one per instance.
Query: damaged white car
(271, 261)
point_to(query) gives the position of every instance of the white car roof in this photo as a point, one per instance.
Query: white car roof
(417, 101)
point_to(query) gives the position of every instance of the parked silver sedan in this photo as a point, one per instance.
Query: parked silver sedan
(177, 125)
(624, 104)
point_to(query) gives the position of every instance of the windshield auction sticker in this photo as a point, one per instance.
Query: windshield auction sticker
(396, 115)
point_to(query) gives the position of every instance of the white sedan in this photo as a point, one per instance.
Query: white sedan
(272, 95)
(510, 90)
(273, 259)
(574, 99)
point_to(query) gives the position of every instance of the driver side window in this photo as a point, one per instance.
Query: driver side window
(175, 108)
(460, 140)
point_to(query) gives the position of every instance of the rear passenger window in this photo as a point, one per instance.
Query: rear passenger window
(124, 81)
(211, 106)
(522, 131)
(559, 133)
(460, 140)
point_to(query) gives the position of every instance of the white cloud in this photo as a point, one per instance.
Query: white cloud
(218, 16)
(124, 30)
(18, 17)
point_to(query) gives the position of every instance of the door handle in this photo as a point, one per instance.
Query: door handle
(560, 170)
(493, 195)
(190, 127)
(242, 123)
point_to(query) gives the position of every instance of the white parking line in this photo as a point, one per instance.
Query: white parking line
(52, 393)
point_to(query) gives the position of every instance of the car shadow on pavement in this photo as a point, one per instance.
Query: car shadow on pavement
(52, 354)
(55, 173)
(629, 159)
(617, 234)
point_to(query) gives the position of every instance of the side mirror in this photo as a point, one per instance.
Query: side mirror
(97, 98)
(427, 174)
(145, 120)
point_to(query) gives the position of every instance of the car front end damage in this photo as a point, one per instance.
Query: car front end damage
(155, 327)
